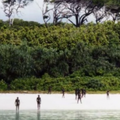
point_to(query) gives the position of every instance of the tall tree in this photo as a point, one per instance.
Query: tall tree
(46, 12)
(11, 7)
(111, 9)
(100, 14)
(56, 9)
(114, 12)
(78, 9)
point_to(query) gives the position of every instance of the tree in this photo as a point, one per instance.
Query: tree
(78, 9)
(112, 9)
(57, 9)
(58, 12)
(11, 7)
(46, 12)
(114, 12)
(100, 15)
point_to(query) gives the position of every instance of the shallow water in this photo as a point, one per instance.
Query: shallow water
(60, 115)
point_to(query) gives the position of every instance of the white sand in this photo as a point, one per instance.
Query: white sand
(56, 102)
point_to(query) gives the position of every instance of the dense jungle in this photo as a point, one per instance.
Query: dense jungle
(34, 56)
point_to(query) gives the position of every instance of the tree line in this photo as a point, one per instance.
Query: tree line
(33, 57)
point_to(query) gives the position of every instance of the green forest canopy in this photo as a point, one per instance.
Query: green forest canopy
(37, 57)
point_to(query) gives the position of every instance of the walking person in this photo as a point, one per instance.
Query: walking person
(63, 92)
(38, 99)
(79, 98)
(76, 93)
(17, 103)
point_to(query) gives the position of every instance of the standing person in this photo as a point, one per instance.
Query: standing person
(76, 93)
(63, 92)
(17, 103)
(79, 92)
(84, 93)
(38, 99)
(49, 90)
(79, 98)
(107, 93)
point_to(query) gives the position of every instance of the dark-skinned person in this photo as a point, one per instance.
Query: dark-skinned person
(63, 92)
(107, 92)
(38, 100)
(17, 103)
(79, 98)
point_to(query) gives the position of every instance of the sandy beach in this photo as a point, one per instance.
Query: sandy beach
(57, 102)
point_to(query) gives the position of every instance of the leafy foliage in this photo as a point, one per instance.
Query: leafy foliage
(34, 58)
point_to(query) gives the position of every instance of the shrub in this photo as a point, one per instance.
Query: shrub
(3, 85)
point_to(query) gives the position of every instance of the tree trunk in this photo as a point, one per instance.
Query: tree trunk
(77, 20)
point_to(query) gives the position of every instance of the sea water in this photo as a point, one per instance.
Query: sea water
(60, 115)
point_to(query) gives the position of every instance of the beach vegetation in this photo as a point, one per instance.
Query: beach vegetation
(33, 57)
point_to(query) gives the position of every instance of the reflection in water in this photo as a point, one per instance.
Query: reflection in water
(61, 115)
(38, 115)
(17, 116)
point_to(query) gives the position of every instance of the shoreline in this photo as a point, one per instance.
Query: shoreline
(58, 102)
(56, 92)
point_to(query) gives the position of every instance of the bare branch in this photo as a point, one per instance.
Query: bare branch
(11, 7)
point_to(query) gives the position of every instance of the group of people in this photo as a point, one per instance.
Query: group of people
(79, 94)
(17, 102)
